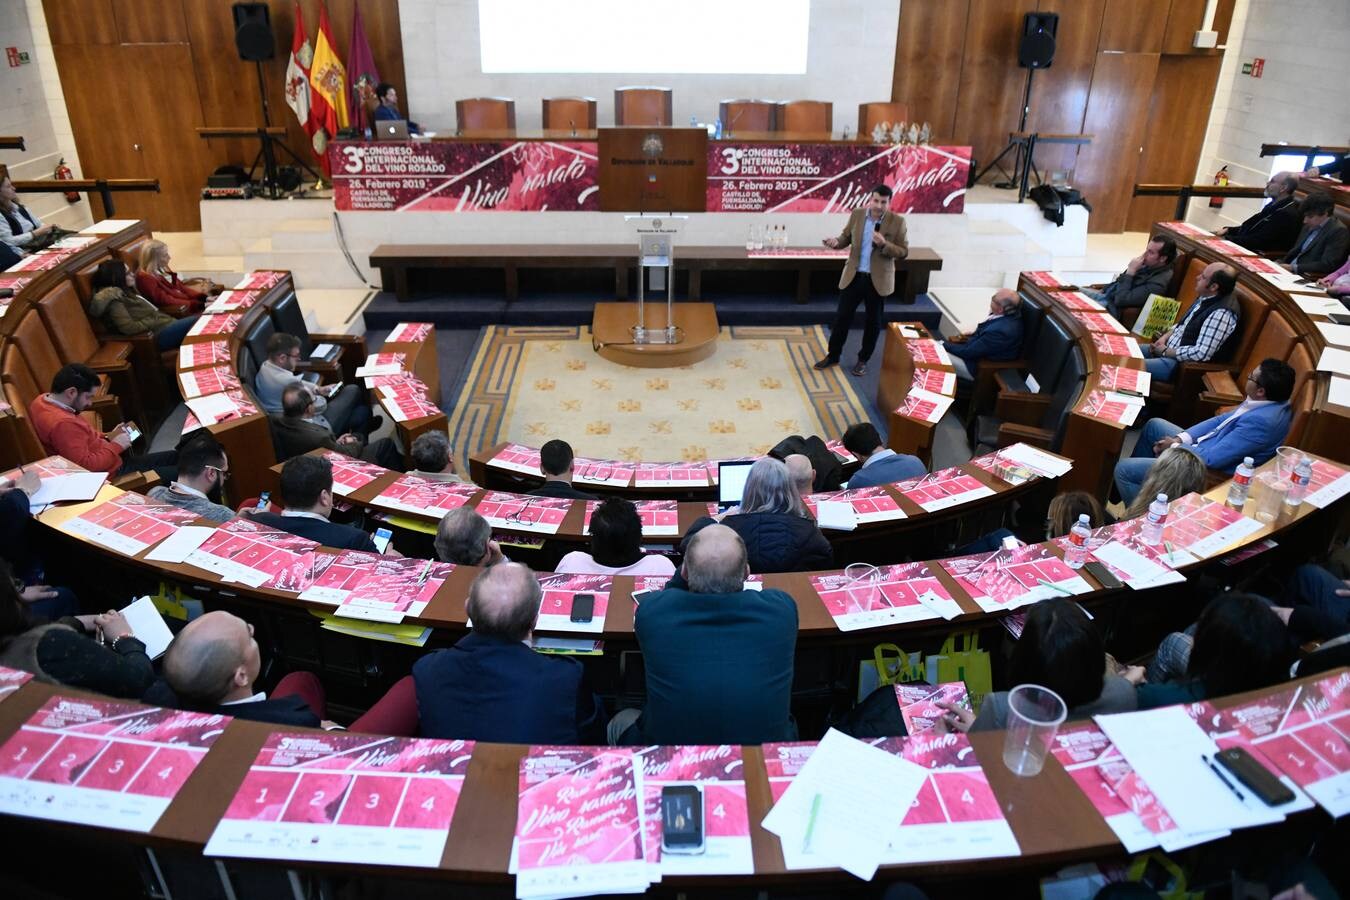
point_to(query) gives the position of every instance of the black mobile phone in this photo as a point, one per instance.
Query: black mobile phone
(1257, 778)
(682, 818)
(1103, 575)
(583, 607)
(1339, 318)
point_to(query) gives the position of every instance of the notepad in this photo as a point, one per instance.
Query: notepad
(75, 486)
(837, 515)
(148, 627)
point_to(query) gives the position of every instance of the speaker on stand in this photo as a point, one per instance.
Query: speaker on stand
(1035, 50)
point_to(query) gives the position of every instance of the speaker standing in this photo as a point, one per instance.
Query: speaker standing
(876, 239)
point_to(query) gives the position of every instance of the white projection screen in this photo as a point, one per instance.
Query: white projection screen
(742, 37)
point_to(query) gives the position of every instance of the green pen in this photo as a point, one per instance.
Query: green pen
(1171, 552)
(811, 823)
(1055, 587)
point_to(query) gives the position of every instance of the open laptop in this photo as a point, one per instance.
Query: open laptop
(391, 130)
(731, 482)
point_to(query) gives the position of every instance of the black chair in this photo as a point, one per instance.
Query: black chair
(987, 371)
(287, 318)
(1014, 401)
(255, 341)
(1015, 418)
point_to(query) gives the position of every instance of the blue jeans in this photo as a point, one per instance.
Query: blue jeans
(1130, 473)
(1161, 368)
(1315, 587)
(962, 369)
(171, 336)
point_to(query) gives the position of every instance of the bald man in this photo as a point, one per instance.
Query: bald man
(998, 337)
(212, 664)
(802, 473)
(492, 686)
(718, 657)
(1275, 227)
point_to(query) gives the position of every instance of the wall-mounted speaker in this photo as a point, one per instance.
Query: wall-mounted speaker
(1037, 47)
(253, 32)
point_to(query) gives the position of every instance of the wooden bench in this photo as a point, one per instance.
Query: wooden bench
(396, 260)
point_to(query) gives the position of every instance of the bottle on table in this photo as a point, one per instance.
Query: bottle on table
(784, 236)
(1242, 483)
(1075, 555)
(759, 237)
(1298, 482)
(750, 238)
(1154, 521)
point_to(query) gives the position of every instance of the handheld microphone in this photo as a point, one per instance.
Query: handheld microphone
(573, 125)
(733, 121)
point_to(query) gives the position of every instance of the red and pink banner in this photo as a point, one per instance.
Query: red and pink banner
(564, 176)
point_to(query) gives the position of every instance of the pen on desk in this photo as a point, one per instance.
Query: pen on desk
(1062, 590)
(1209, 761)
(811, 823)
(1171, 552)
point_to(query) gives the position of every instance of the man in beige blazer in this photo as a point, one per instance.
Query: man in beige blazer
(881, 234)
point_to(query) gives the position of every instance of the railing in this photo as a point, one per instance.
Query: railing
(104, 187)
(12, 142)
(1308, 151)
(1184, 193)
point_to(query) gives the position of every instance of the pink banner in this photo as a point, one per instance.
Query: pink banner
(834, 177)
(468, 176)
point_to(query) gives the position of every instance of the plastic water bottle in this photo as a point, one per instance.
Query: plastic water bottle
(1076, 553)
(693, 121)
(1242, 483)
(1298, 482)
(717, 134)
(784, 236)
(750, 238)
(759, 237)
(1152, 531)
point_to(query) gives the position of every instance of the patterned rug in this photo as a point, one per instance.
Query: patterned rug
(534, 384)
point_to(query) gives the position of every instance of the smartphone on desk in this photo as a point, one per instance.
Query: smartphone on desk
(382, 538)
(1254, 776)
(682, 819)
(583, 608)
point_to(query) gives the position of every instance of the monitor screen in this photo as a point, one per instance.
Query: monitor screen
(731, 480)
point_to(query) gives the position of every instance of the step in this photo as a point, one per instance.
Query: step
(306, 235)
(309, 268)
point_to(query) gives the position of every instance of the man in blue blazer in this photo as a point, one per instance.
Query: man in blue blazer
(880, 464)
(307, 491)
(491, 686)
(1255, 428)
(998, 337)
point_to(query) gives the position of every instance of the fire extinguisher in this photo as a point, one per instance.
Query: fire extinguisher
(63, 173)
(1221, 180)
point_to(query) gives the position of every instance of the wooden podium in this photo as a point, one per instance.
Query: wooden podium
(653, 170)
(612, 334)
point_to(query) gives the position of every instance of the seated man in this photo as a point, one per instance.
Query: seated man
(555, 461)
(1274, 228)
(18, 548)
(998, 337)
(1148, 273)
(387, 96)
(1255, 428)
(298, 431)
(464, 538)
(880, 464)
(1324, 242)
(202, 470)
(1318, 605)
(431, 457)
(801, 471)
(307, 492)
(491, 686)
(1204, 333)
(337, 410)
(59, 426)
(718, 658)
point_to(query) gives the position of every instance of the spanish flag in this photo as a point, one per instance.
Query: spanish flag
(328, 79)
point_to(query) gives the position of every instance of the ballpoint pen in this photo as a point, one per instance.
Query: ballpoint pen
(811, 823)
(1209, 761)
(1055, 587)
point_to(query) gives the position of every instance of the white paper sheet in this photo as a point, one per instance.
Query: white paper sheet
(1140, 571)
(176, 547)
(148, 626)
(1336, 335)
(371, 371)
(861, 794)
(1317, 306)
(837, 515)
(109, 226)
(1168, 751)
(1037, 460)
(1334, 360)
(1339, 391)
(76, 486)
(212, 407)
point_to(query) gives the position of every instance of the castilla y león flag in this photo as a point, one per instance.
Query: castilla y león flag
(297, 73)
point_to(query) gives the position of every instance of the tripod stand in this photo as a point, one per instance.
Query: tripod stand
(1018, 141)
(267, 135)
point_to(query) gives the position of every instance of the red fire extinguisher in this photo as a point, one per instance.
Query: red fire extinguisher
(1221, 180)
(63, 173)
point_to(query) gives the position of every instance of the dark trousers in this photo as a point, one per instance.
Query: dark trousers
(859, 290)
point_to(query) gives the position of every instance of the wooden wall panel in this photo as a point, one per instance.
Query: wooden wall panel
(1187, 17)
(1059, 93)
(1134, 26)
(152, 21)
(1118, 107)
(1178, 116)
(928, 52)
(990, 98)
(80, 21)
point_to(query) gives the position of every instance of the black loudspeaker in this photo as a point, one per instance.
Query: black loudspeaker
(1037, 48)
(253, 32)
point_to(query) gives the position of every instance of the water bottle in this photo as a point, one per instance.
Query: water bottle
(784, 236)
(1076, 553)
(717, 135)
(1152, 531)
(778, 237)
(1242, 483)
(693, 121)
(750, 238)
(759, 237)
(1298, 482)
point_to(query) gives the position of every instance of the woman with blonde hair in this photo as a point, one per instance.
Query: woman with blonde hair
(161, 285)
(1177, 472)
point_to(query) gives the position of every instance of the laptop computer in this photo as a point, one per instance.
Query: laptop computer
(731, 482)
(391, 130)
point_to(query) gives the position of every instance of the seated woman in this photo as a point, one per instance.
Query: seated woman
(772, 520)
(123, 311)
(1338, 282)
(18, 227)
(616, 545)
(1061, 649)
(1064, 510)
(66, 652)
(1177, 472)
(161, 285)
(1239, 644)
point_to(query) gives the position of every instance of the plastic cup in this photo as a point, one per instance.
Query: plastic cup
(1270, 489)
(863, 581)
(1034, 716)
(1286, 458)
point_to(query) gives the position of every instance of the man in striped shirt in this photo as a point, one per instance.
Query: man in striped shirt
(1206, 329)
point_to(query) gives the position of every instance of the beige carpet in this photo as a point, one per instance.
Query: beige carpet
(533, 384)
